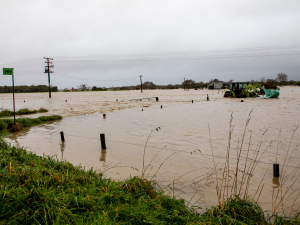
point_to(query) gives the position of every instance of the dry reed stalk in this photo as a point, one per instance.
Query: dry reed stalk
(173, 185)
(243, 181)
(193, 205)
(114, 166)
(290, 160)
(228, 151)
(237, 167)
(285, 193)
(283, 172)
(289, 186)
(251, 168)
(239, 153)
(284, 178)
(260, 192)
(261, 182)
(192, 197)
(162, 164)
(278, 142)
(143, 171)
(149, 164)
(291, 207)
(209, 172)
(149, 172)
(212, 152)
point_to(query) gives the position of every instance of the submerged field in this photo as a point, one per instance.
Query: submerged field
(187, 156)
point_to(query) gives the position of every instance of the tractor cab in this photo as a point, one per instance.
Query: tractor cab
(236, 89)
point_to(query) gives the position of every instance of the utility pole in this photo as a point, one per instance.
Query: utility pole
(183, 83)
(141, 83)
(47, 70)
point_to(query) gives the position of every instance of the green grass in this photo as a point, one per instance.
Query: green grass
(5, 124)
(5, 113)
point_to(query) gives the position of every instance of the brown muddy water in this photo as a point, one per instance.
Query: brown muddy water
(183, 137)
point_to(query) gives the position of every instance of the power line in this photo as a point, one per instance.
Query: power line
(80, 78)
(206, 54)
(189, 52)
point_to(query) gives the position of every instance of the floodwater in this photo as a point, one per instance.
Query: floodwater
(182, 145)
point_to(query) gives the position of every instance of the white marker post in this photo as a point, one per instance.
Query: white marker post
(10, 71)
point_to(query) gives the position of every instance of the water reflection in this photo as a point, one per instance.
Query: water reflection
(276, 182)
(103, 155)
(62, 149)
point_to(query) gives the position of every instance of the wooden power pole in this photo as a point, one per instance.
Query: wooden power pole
(48, 70)
(141, 83)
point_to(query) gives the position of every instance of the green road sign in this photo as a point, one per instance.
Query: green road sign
(8, 71)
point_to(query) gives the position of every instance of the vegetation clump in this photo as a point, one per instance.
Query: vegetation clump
(252, 90)
(6, 112)
(270, 86)
(8, 124)
(235, 210)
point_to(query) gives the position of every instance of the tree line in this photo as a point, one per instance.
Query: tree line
(25, 88)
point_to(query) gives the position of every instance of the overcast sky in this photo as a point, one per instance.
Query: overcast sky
(112, 42)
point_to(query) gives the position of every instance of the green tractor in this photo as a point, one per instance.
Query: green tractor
(236, 90)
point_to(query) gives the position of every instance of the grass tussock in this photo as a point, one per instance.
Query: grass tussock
(42, 190)
(8, 124)
(6, 112)
(235, 210)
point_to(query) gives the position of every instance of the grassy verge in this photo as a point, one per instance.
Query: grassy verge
(8, 124)
(6, 112)
(42, 190)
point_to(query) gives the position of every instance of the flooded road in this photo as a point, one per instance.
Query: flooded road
(183, 144)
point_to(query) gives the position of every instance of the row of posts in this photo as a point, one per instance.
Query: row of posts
(102, 138)
(103, 143)
(103, 146)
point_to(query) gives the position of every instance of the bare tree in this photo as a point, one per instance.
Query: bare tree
(149, 85)
(281, 77)
(82, 87)
(262, 79)
(188, 84)
(213, 80)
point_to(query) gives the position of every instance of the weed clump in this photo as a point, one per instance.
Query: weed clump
(8, 124)
(270, 86)
(235, 210)
(6, 113)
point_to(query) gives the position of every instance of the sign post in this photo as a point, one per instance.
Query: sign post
(10, 71)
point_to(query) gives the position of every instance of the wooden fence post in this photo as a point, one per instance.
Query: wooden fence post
(62, 136)
(102, 138)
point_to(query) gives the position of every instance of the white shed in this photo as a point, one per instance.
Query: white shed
(218, 85)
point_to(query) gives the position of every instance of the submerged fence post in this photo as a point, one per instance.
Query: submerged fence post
(192, 101)
(104, 116)
(62, 136)
(102, 138)
(157, 99)
(207, 98)
(275, 170)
